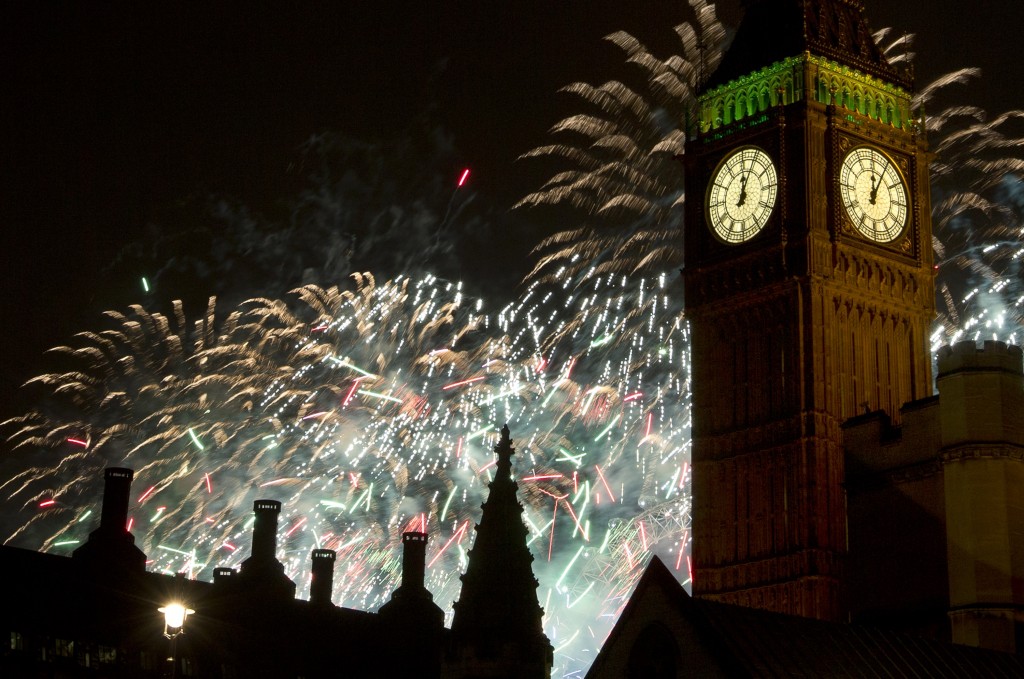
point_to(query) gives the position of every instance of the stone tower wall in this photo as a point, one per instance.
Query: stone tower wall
(981, 395)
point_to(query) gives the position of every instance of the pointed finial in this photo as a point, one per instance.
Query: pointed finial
(505, 452)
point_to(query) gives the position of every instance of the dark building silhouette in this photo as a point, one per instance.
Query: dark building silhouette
(95, 614)
(412, 613)
(663, 633)
(322, 580)
(262, 570)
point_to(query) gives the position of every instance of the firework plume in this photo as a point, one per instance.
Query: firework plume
(621, 178)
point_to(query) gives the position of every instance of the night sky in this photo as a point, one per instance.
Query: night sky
(125, 122)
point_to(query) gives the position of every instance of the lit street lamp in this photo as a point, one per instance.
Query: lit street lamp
(174, 625)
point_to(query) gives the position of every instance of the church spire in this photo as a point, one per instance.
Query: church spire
(497, 628)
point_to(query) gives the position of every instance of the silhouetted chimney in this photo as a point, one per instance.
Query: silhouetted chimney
(110, 550)
(116, 490)
(264, 530)
(412, 615)
(262, 574)
(414, 559)
(322, 582)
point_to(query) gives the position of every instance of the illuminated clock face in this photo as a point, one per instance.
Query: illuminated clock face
(873, 194)
(742, 194)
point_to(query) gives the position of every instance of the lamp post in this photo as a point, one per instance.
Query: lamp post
(174, 625)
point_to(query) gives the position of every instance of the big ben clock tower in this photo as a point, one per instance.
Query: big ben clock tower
(809, 287)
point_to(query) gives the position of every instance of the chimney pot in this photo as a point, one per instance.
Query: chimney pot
(414, 558)
(117, 487)
(264, 530)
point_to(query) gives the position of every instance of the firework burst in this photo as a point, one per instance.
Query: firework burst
(371, 410)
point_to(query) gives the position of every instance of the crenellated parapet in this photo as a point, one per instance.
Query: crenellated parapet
(992, 355)
(981, 393)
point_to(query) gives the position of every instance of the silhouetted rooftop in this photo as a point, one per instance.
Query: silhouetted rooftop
(754, 643)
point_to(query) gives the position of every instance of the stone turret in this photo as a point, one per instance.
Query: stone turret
(497, 630)
(981, 402)
(981, 393)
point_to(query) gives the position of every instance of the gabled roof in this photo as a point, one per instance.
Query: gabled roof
(746, 642)
(773, 30)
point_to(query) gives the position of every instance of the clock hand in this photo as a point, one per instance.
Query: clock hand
(874, 190)
(743, 190)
